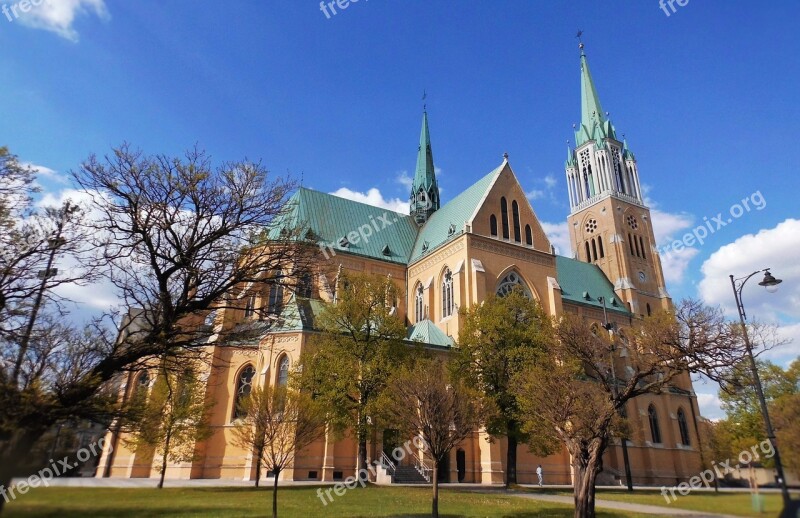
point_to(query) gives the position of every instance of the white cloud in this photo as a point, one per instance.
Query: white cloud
(375, 198)
(58, 16)
(534, 194)
(770, 248)
(550, 181)
(46, 172)
(404, 179)
(558, 234)
(710, 405)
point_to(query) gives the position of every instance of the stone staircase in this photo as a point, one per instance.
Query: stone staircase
(408, 475)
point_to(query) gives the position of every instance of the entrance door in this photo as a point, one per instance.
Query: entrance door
(461, 464)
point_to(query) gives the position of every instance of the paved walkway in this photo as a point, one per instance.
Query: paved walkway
(621, 506)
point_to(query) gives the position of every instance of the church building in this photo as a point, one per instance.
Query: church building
(445, 256)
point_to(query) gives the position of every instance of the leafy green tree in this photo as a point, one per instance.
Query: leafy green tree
(425, 401)
(358, 350)
(744, 423)
(278, 423)
(172, 418)
(501, 338)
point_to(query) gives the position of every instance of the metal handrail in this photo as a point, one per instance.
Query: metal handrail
(387, 463)
(421, 467)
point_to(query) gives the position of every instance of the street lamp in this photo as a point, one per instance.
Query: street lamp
(608, 326)
(771, 284)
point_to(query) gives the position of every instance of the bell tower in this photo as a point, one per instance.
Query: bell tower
(609, 223)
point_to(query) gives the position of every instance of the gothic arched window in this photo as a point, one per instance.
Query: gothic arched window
(512, 281)
(655, 431)
(641, 242)
(630, 242)
(250, 306)
(275, 301)
(419, 303)
(504, 216)
(283, 371)
(142, 384)
(528, 235)
(515, 214)
(588, 253)
(594, 250)
(600, 246)
(448, 301)
(244, 384)
(305, 286)
(493, 225)
(683, 427)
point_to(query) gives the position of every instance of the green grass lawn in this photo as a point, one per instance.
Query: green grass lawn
(722, 503)
(293, 502)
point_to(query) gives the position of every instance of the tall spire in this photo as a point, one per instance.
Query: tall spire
(595, 124)
(424, 190)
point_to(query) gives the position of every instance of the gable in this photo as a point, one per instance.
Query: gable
(506, 186)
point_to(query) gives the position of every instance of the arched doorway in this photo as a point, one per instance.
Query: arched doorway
(461, 464)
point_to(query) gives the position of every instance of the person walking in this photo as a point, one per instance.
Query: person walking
(539, 474)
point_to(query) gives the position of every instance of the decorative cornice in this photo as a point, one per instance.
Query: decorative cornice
(511, 250)
(451, 249)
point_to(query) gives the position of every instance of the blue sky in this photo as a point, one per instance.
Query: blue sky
(707, 98)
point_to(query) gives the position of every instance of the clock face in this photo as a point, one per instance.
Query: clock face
(642, 276)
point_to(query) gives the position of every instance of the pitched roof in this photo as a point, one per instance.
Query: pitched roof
(457, 212)
(427, 332)
(583, 283)
(594, 122)
(371, 229)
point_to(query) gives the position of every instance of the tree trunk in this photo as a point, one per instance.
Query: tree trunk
(511, 455)
(259, 457)
(164, 461)
(5, 482)
(584, 486)
(275, 494)
(435, 504)
(361, 462)
(12, 453)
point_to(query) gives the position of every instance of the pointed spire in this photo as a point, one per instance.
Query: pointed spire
(595, 124)
(591, 110)
(424, 190)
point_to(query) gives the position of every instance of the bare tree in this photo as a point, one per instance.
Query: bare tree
(425, 401)
(179, 236)
(575, 394)
(277, 424)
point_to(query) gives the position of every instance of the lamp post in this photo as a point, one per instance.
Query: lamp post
(626, 461)
(771, 284)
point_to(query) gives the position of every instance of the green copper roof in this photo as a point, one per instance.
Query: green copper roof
(299, 314)
(455, 213)
(427, 332)
(594, 123)
(583, 283)
(370, 231)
